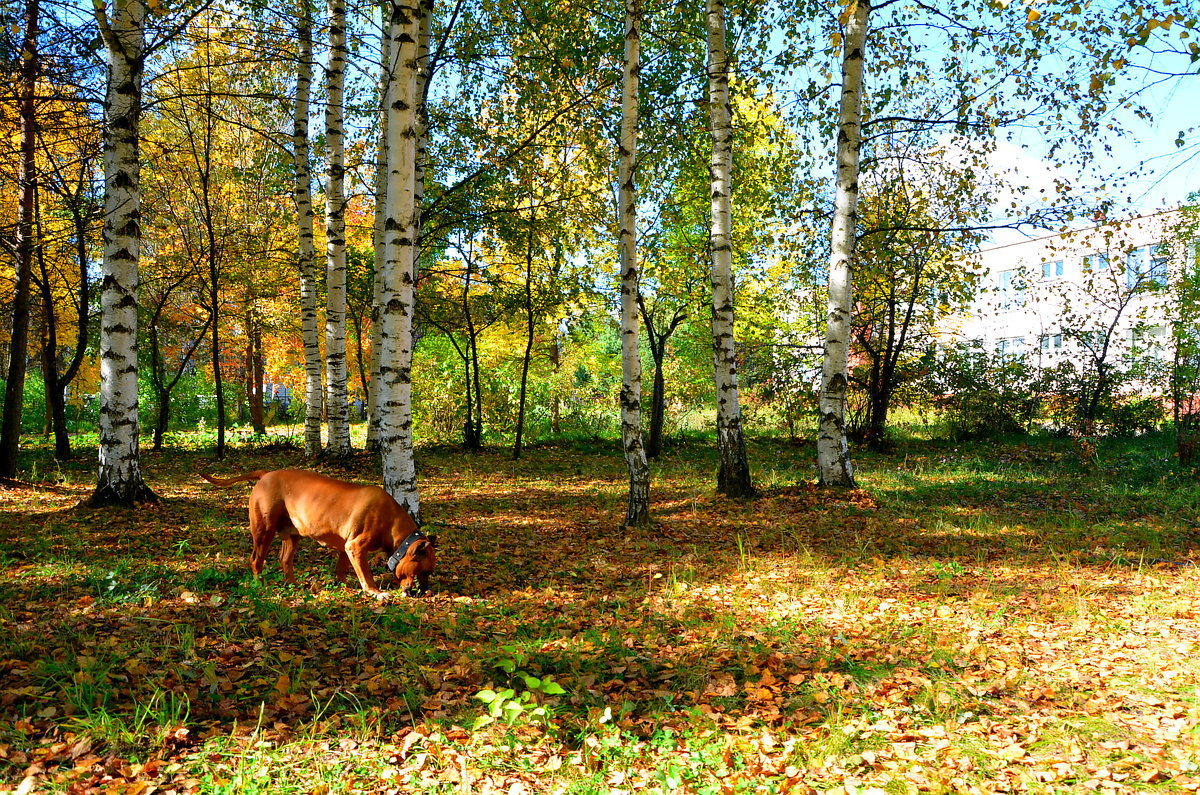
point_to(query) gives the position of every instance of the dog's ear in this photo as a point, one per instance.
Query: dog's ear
(432, 539)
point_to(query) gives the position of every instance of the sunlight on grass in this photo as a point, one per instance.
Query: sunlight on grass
(989, 617)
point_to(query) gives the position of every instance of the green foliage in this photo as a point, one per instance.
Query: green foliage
(982, 394)
(510, 706)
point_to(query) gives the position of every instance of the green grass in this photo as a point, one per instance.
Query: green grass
(909, 633)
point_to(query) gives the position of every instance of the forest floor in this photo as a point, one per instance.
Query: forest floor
(981, 617)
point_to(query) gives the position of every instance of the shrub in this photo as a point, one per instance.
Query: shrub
(981, 394)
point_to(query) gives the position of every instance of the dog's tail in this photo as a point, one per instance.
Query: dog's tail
(255, 475)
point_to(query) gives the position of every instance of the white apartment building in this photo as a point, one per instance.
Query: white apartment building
(1061, 297)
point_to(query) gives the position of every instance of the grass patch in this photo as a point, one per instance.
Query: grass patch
(994, 615)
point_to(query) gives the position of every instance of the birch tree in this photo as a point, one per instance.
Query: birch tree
(733, 470)
(399, 244)
(337, 409)
(381, 177)
(119, 478)
(306, 259)
(637, 513)
(833, 448)
(423, 66)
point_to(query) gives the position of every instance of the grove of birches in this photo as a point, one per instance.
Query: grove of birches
(499, 222)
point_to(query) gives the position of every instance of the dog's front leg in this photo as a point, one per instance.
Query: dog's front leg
(358, 559)
(342, 567)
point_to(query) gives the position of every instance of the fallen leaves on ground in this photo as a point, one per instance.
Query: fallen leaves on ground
(952, 632)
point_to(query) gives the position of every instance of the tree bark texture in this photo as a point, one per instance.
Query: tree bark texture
(397, 289)
(381, 178)
(14, 388)
(307, 249)
(733, 468)
(337, 407)
(833, 448)
(637, 512)
(119, 478)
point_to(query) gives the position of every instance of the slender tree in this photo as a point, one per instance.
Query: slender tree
(637, 513)
(397, 292)
(119, 478)
(14, 391)
(833, 448)
(76, 197)
(530, 319)
(733, 469)
(381, 179)
(307, 249)
(337, 408)
(658, 334)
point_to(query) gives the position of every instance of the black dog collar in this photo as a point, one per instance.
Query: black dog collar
(398, 556)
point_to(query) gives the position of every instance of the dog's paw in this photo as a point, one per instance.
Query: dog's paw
(382, 596)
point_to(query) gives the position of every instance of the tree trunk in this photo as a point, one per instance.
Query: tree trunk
(733, 469)
(14, 387)
(637, 512)
(833, 448)
(396, 312)
(337, 408)
(215, 255)
(57, 382)
(555, 363)
(529, 328)
(421, 154)
(119, 478)
(307, 254)
(56, 408)
(254, 375)
(381, 180)
(658, 403)
(158, 375)
(658, 339)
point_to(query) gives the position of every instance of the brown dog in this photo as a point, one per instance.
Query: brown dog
(353, 520)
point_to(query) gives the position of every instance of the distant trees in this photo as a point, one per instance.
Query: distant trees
(498, 220)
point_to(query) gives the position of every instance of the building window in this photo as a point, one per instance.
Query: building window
(1012, 289)
(1147, 265)
(1093, 263)
(1052, 270)
(1151, 341)
(1010, 347)
(1051, 343)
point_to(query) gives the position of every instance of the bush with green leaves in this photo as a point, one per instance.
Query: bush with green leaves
(982, 394)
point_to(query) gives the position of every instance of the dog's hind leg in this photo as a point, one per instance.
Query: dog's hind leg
(287, 556)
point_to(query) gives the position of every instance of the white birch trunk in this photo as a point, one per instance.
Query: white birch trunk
(119, 478)
(307, 249)
(733, 470)
(833, 448)
(399, 243)
(638, 511)
(337, 409)
(422, 152)
(381, 171)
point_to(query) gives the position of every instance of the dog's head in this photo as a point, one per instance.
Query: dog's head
(413, 561)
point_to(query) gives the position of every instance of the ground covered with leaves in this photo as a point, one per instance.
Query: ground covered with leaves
(986, 617)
